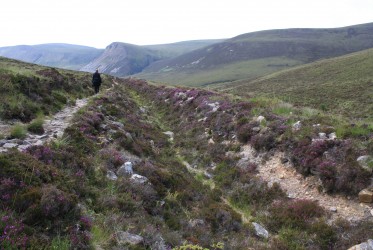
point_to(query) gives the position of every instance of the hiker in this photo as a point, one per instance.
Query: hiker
(96, 81)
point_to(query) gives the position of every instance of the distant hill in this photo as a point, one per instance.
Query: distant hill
(256, 54)
(119, 59)
(122, 59)
(342, 84)
(59, 55)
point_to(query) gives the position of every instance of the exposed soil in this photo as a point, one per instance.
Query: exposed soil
(299, 187)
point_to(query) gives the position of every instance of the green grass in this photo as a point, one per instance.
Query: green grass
(222, 73)
(342, 85)
(60, 243)
(36, 126)
(18, 131)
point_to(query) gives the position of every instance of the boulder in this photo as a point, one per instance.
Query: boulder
(139, 179)
(366, 196)
(125, 169)
(124, 238)
(260, 231)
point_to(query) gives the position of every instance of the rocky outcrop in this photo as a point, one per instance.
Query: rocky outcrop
(121, 59)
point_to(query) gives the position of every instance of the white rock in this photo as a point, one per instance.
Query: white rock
(38, 143)
(169, 134)
(260, 230)
(297, 125)
(260, 119)
(125, 169)
(10, 145)
(332, 136)
(323, 136)
(139, 178)
(333, 209)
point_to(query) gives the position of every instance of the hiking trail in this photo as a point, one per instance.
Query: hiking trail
(53, 128)
(299, 187)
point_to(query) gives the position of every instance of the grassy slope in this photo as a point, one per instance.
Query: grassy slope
(343, 85)
(289, 48)
(27, 89)
(176, 49)
(58, 196)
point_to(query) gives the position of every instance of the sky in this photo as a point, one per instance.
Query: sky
(98, 23)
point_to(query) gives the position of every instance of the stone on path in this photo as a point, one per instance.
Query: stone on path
(10, 145)
(366, 196)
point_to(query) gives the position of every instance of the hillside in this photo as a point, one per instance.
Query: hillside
(156, 167)
(122, 59)
(256, 54)
(27, 90)
(179, 48)
(65, 56)
(341, 85)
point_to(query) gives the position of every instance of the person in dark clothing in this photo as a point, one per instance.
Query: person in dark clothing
(96, 81)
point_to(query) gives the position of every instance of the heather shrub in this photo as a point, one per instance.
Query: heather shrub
(350, 234)
(12, 232)
(225, 174)
(55, 203)
(255, 193)
(221, 217)
(307, 155)
(265, 141)
(112, 157)
(293, 214)
(41, 153)
(245, 132)
(334, 162)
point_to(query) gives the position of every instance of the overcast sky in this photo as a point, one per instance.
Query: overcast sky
(98, 23)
